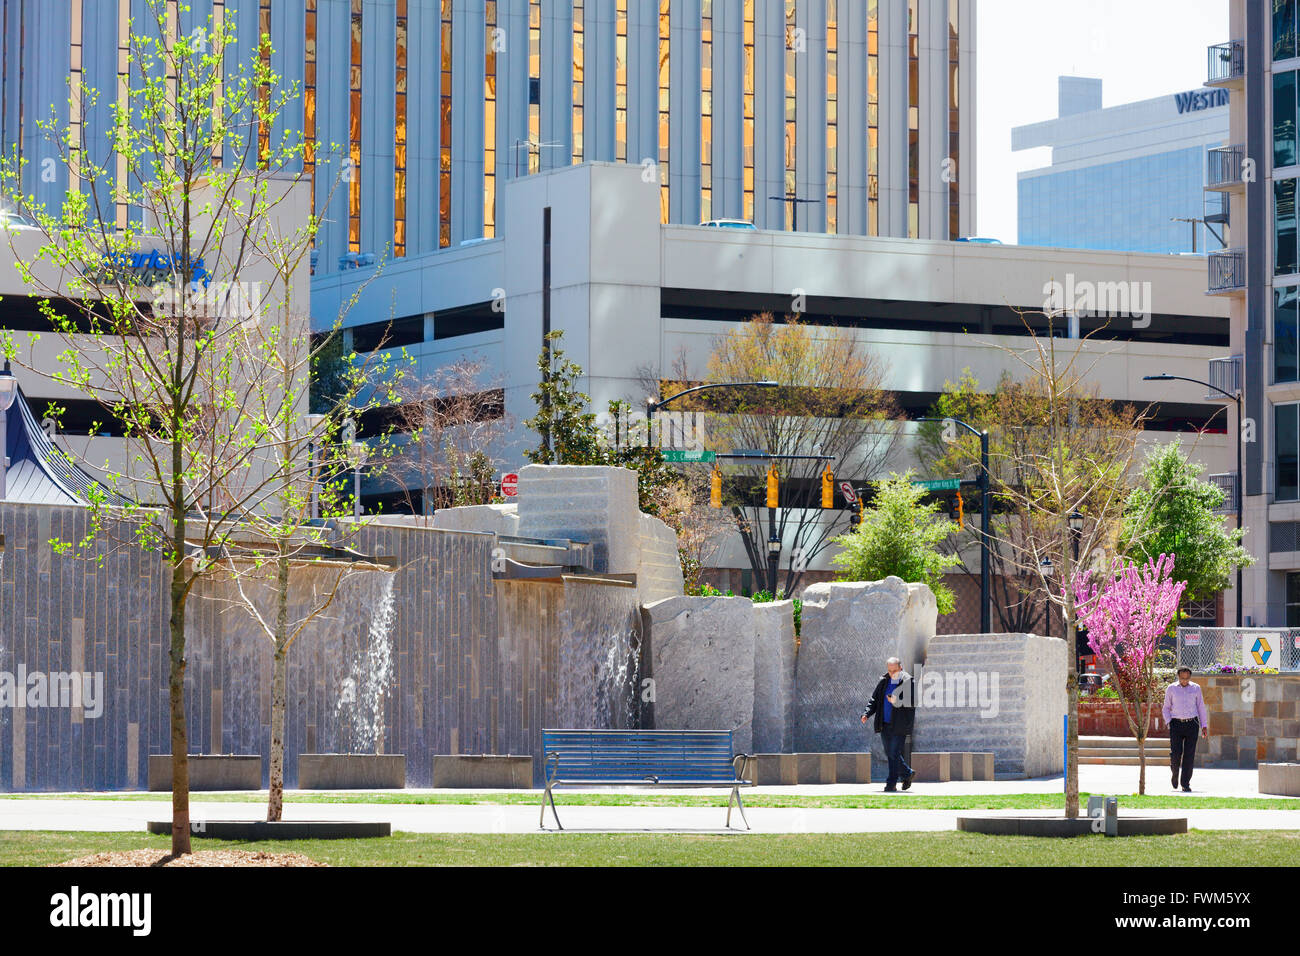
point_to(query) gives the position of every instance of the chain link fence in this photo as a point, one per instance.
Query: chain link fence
(1210, 648)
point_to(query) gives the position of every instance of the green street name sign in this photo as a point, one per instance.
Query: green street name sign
(942, 484)
(682, 455)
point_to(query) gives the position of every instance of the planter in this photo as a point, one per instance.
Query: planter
(210, 772)
(1104, 717)
(280, 829)
(492, 771)
(1041, 826)
(1282, 779)
(351, 771)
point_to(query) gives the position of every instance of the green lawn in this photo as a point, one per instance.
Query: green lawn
(917, 801)
(1198, 848)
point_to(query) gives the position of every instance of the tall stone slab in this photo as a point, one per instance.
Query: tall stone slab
(849, 630)
(702, 663)
(1003, 693)
(659, 568)
(774, 654)
(590, 503)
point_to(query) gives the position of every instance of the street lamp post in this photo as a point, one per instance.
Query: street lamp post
(794, 202)
(653, 405)
(313, 422)
(985, 584)
(8, 392)
(1046, 568)
(1076, 532)
(1237, 490)
(360, 454)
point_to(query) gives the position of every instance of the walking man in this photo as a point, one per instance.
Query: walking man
(1185, 713)
(892, 706)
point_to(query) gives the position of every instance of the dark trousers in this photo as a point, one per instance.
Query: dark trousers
(895, 744)
(1182, 747)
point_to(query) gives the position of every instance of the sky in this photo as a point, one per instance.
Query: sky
(1138, 48)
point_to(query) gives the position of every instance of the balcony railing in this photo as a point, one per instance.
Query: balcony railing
(1225, 373)
(1227, 483)
(1227, 270)
(1223, 166)
(1226, 61)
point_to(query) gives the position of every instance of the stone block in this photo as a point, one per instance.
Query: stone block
(961, 766)
(932, 767)
(351, 771)
(491, 771)
(702, 663)
(816, 767)
(853, 768)
(774, 667)
(998, 693)
(981, 766)
(849, 629)
(210, 771)
(772, 770)
(492, 519)
(1282, 779)
(591, 503)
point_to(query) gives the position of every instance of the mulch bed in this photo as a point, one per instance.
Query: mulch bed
(200, 858)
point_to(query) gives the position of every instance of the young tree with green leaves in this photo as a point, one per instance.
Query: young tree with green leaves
(1172, 511)
(900, 535)
(196, 181)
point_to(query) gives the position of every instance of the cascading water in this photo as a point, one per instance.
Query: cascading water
(359, 712)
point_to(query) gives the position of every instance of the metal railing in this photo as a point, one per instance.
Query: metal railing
(1227, 270)
(1209, 649)
(1224, 373)
(1225, 61)
(1224, 165)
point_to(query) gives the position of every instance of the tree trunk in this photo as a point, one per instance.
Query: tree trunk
(1072, 736)
(279, 692)
(1142, 761)
(176, 692)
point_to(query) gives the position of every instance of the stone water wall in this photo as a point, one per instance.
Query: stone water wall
(478, 665)
(1254, 719)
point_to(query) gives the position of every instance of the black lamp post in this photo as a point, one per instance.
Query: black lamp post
(653, 405)
(1075, 520)
(1236, 397)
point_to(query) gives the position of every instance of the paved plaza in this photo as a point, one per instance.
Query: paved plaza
(80, 812)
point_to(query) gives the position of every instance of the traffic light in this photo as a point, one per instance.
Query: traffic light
(961, 513)
(855, 518)
(715, 488)
(828, 488)
(772, 482)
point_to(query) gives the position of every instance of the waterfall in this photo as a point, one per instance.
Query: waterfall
(359, 711)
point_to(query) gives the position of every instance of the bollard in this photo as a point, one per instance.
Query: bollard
(1112, 816)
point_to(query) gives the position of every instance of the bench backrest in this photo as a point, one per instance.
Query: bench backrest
(636, 754)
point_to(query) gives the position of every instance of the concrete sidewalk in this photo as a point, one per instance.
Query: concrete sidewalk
(132, 815)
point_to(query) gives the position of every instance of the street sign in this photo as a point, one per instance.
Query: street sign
(942, 484)
(846, 489)
(683, 455)
(510, 485)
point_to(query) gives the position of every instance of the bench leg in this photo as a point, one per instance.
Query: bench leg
(547, 795)
(735, 795)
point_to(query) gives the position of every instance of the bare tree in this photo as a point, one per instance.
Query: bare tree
(831, 402)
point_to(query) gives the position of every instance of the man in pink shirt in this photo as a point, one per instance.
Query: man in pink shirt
(1185, 713)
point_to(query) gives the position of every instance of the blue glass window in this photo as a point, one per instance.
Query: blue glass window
(1284, 118)
(1284, 246)
(1284, 29)
(1286, 334)
(1287, 443)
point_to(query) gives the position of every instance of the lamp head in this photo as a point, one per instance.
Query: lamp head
(1076, 520)
(8, 387)
(1162, 377)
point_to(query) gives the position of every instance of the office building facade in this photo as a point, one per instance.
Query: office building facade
(416, 111)
(1127, 177)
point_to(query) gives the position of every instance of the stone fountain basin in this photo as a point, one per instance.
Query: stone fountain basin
(210, 771)
(351, 771)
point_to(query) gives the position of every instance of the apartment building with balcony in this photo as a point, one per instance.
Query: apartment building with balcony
(1258, 274)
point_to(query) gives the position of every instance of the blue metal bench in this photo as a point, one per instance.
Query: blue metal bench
(642, 758)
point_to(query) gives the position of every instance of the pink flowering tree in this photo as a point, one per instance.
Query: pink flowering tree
(1126, 612)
